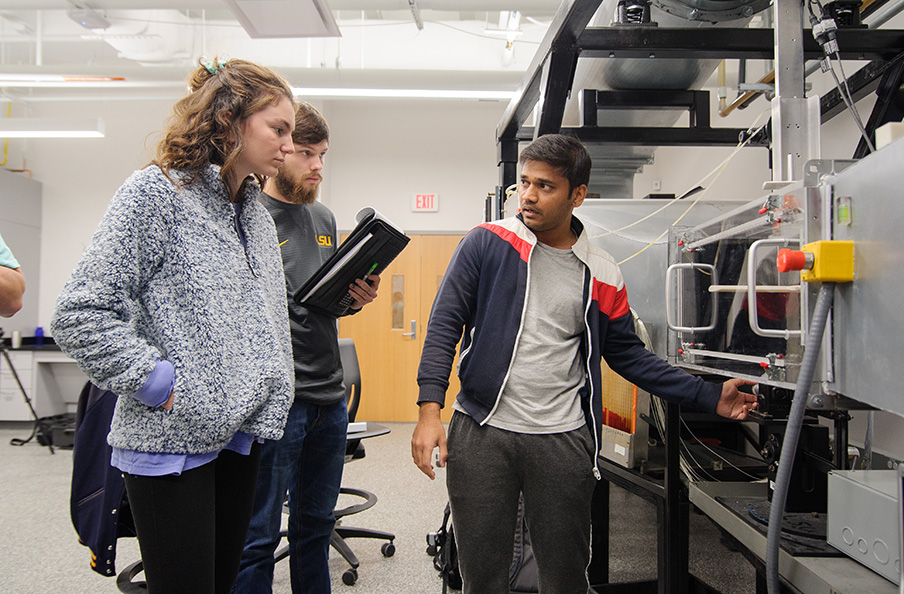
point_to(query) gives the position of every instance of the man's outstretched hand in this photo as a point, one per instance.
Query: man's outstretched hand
(734, 404)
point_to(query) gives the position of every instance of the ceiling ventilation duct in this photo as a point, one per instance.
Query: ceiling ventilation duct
(713, 11)
(616, 166)
(151, 37)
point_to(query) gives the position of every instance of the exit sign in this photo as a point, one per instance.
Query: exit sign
(425, 203)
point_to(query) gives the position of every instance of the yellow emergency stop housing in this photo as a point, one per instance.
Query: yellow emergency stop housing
(833, 262)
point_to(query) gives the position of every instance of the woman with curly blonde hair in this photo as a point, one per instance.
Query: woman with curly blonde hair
(178, 305)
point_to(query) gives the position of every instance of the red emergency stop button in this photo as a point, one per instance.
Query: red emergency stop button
(789, 260)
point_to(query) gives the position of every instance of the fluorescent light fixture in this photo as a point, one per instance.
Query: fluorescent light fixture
(80, 81)
(88, 84)
(285, 18)
(51, 128)
(402, 93)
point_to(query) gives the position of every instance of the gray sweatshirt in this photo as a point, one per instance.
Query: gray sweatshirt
(167, 277)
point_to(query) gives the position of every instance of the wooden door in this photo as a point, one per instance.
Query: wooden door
(389, 333)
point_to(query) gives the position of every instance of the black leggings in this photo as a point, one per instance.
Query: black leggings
(191, 528)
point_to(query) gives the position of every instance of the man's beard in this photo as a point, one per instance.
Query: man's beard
(296, 192)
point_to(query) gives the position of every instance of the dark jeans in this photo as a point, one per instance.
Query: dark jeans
(307, 462)
(191, 527)
(486, 470)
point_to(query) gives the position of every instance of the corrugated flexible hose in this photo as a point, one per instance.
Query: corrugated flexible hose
(792, 433)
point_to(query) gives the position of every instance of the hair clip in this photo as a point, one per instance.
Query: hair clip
(213, 68)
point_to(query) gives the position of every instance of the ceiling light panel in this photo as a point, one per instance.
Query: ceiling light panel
(285, 18)
(51, 128)
(403, 93)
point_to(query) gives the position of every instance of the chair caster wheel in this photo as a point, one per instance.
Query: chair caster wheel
(350, 577)
(388, 549)
(431, 550)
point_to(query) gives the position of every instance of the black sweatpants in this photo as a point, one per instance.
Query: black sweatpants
(486, 470)
(191, 527)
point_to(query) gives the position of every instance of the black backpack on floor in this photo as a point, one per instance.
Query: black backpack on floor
(441, 546)
(522, 575)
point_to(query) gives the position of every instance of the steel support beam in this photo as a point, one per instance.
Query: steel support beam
(673, 512)
(570, 20)
(724, 43)
(861, 83)
(550, 74)
(889, 106)
(507, 160)
(555, 86)
(644, 136)
(792, 132)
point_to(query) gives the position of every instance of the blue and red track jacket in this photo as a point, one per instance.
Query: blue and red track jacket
(484, 292)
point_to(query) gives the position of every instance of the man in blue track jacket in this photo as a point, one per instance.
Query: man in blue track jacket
(538, 304)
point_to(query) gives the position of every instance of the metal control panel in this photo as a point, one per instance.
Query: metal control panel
(731, 312)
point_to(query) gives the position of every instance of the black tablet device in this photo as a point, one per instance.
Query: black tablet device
(369, 249)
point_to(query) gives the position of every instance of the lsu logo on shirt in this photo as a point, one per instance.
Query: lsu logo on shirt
(322, 241)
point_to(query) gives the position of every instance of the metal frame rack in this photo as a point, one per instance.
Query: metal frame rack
(549, 78)
(542, 96)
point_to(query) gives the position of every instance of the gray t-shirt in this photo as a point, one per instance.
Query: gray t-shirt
(541, 394)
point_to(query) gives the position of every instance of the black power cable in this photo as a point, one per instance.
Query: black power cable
(824, 28)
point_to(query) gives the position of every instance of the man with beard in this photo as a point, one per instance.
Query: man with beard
(307, 462)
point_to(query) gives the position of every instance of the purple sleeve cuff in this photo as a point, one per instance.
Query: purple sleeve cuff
(157, 388)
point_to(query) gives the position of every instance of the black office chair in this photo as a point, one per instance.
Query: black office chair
(354, 450)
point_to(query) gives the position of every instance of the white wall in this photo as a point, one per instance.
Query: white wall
(79, 178)
(383, 152)
(20, 226)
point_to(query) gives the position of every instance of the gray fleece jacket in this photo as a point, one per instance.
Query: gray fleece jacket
(166, 277)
